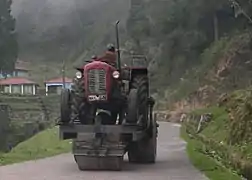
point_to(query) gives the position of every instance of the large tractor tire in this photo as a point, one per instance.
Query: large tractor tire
(79, 106)
(131, 117)
(141, 84)
(145, 150)
(65, 106)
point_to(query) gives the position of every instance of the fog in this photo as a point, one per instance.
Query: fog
(58, 6)
(48, 13)
(44, 25)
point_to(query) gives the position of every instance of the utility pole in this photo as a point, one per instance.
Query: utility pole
(63, 68)
(63, 73)
(216, 27)
(118, 46)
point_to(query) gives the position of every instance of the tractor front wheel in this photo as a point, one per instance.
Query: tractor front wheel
(65, 107)
(131, 117)
(79, 106)
(140, 85)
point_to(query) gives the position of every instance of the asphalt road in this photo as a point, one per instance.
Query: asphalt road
(172, 164)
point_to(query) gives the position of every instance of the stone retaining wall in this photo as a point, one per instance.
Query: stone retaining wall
(27, 115)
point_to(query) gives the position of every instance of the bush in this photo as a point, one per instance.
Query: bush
(239, 107)
(221, 131)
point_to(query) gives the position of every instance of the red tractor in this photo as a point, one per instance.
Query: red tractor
(108, 112)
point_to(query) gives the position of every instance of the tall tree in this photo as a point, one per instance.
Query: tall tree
(8, 39)
(138, 24)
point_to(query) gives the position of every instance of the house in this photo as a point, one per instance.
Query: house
(20, 70)
(18, 85)
(54, 86)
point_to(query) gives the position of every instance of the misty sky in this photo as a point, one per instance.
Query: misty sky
(58, 6)
(43, 25)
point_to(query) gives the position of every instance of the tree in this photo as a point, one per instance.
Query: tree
(138, 25)
(8, 39)
(180, 31)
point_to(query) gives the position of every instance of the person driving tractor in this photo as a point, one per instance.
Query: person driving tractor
(109, 56)
(94, 57)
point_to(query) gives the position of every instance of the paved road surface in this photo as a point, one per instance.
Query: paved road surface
(172, 164)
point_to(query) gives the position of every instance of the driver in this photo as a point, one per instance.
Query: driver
(94, 57)
(109, 56)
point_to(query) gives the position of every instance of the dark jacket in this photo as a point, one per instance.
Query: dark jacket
(109, 57)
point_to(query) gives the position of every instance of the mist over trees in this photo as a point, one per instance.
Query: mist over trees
(50, 30)
(8, 41)
(172, 33)
(176, 32)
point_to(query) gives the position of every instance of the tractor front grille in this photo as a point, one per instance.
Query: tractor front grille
(97, 81)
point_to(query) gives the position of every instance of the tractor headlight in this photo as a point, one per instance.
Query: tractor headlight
(116, 74)
(78, 75)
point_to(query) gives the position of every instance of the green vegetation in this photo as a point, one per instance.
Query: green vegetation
(239, 106)
(188, 43)
(218, 128)
(25, 117)
(42, 145)
(227, 137)
(183, 40)
(210, 167)
(8, 41)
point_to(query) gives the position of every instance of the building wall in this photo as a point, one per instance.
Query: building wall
(68, 85)
(19, 73)
(28, 89)
(5, 89)
(2, 76)
(16, 73)
(55, 88)
(17, 89)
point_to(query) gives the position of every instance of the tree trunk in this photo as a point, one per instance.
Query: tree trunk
(216, 27)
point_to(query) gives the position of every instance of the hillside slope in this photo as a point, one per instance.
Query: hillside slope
(225, 67)
(24, 116)
(195, 46)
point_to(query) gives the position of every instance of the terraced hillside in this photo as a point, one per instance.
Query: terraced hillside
(26, 116)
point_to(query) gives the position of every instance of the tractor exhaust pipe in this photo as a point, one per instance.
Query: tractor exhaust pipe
(118, 47)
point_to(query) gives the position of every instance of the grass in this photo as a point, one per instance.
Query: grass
(217, 129)
(207, 165)
(44, 144)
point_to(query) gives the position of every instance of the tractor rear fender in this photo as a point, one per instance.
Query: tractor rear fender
(139, 66)
(128, 74)
(136, 72)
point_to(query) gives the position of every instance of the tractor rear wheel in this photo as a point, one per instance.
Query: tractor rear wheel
(132, 104)
(141, 84)
(65, 107)
(79, 106)
(145, 150)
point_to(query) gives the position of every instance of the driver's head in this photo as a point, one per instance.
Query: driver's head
(111, 47)
(94, 57)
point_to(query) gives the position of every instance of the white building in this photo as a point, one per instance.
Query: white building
(18, 85)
